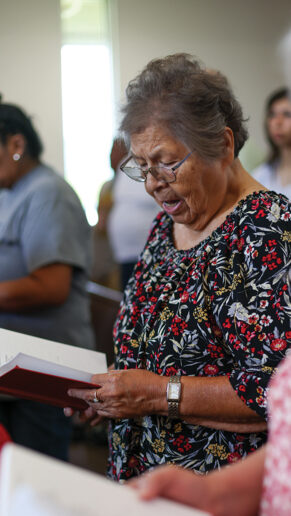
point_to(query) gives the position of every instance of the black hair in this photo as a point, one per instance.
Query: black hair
(13, 120)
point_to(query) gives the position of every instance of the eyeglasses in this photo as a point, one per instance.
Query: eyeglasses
(160, 173)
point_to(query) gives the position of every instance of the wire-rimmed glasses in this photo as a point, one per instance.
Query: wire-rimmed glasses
(160, 173)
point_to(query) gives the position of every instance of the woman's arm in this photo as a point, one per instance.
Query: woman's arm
(49, 285)
(234, 490)
(205, 401)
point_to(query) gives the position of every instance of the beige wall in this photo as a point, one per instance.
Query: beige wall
(239, 37)
(30, 67)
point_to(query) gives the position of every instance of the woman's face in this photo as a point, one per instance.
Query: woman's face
(200, 186)
(9, 168)
(279, 122)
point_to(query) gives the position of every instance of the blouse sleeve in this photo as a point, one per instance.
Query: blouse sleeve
(255, 308)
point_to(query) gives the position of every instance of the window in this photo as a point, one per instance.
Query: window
(87, 98)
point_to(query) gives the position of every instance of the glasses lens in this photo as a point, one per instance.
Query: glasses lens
(163, 174)
(134, 173)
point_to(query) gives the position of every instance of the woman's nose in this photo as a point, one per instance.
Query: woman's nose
(153, 184)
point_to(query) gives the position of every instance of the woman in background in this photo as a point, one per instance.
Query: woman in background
(44, 262)
(275, 174)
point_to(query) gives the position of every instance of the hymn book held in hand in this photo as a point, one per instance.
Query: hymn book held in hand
(43, 370)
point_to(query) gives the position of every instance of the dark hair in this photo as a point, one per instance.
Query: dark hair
(194, 103)
(14, 121)
(279, 94)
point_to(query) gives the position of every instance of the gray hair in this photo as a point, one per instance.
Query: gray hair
(195, 104)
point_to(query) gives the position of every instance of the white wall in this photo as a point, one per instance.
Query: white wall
(30, 67)
(239, 37)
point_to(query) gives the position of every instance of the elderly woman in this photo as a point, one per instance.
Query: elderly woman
(204, 319)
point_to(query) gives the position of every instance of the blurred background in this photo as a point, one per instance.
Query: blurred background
(67, 62)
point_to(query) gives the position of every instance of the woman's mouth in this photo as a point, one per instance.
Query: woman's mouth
(171, 207)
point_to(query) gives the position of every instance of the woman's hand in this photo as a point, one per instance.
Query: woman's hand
(234, 490)
(124, 394)
(86, 416)
(174, 483)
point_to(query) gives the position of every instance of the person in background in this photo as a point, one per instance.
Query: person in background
(105, 270)
(129, 223)
(275, 174)
(205, 317)
(44, 264)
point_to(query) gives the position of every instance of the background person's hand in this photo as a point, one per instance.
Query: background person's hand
(233, 490)
(174, 483)
(125, 394)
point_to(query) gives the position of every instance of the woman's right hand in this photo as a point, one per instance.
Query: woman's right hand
(88, 415)
(85, 416)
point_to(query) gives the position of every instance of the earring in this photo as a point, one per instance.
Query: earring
(16, 156)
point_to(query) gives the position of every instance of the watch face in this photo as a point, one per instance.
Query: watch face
(174, 390)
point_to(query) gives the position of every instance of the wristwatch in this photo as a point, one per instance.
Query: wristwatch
(173, 396)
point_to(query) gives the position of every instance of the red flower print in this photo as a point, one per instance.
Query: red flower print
(184, 297)
(233, 457)
(260, 213)
(240, 244)
(170, 371)
(278, 344)
(211, 369)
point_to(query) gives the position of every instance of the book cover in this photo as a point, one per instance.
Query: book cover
(41, 370)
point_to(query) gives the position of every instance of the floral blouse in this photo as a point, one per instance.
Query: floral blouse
(220, 308)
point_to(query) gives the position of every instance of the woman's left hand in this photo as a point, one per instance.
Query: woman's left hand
(125, 394)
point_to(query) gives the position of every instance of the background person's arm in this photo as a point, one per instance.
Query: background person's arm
(46, 286)
(234, 490)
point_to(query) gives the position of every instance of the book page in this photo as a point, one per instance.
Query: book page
(67, 490)
(44, 366)
(81, 359)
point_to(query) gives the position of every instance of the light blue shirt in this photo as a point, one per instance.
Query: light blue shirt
(42, 222)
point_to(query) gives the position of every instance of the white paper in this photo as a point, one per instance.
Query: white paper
(57, 488)
(78, 359)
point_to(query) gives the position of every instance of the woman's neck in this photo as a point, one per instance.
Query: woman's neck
(240, 185)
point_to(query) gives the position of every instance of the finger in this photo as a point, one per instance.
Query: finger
(133, 483)
(157, 483)
(96, 421)
(88, 395)
(87, 414)
(99, 379)
(68, 411)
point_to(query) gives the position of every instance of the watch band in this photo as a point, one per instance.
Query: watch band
(173, 404)
(173, 409)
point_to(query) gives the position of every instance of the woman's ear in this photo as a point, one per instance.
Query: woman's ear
(16, 145)
(229, 145)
